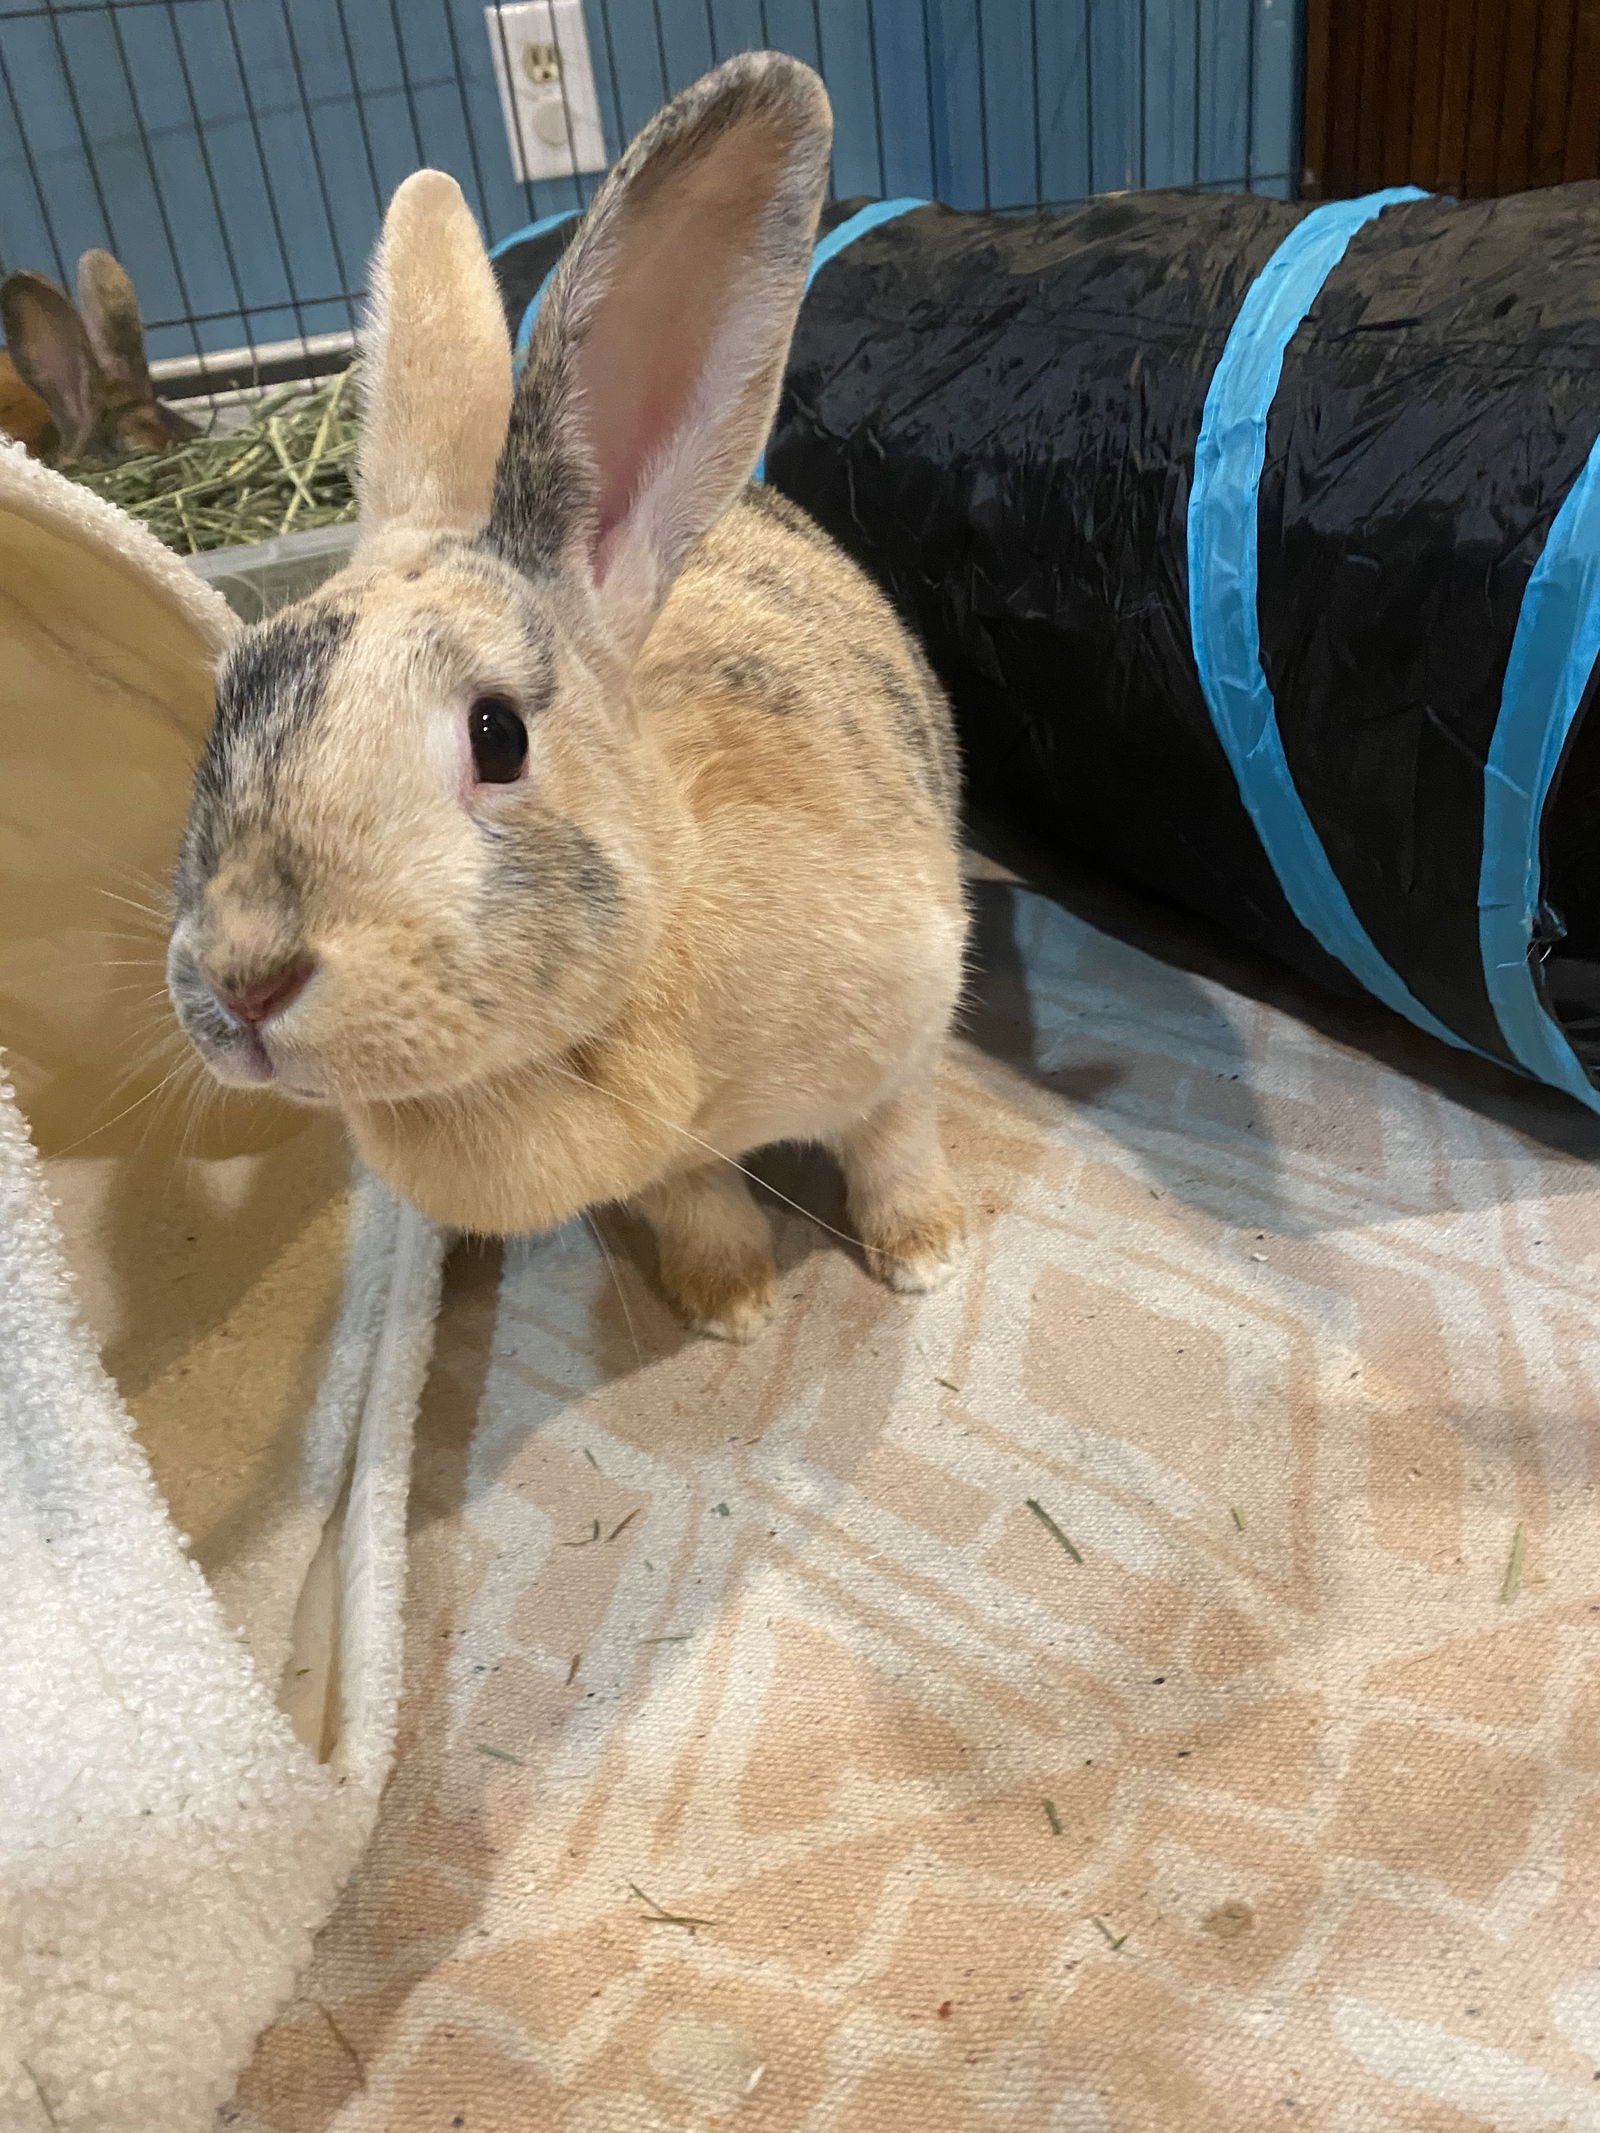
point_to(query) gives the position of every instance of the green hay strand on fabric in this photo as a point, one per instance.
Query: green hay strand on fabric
(1050, 1526)
(660, 1917)
(289, 469)
(1511, 1585)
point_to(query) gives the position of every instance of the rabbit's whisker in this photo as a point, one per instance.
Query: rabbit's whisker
(161, 918)
(616, 1282)
(126, 1111)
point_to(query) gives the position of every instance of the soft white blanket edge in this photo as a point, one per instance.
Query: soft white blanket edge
(168, 1849)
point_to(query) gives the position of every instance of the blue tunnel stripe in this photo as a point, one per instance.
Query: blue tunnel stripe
(530, 230)
(1223, 620)
(1553, 653)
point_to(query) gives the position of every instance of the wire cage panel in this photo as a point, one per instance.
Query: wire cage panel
(236, 154)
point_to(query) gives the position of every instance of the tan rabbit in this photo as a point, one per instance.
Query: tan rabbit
(23, 415)
(595, 826)
(87, 366)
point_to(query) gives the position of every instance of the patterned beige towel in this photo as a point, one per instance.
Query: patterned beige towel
(1152, 1687)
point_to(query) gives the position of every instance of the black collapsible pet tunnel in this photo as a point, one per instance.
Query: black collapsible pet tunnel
(1259, 549)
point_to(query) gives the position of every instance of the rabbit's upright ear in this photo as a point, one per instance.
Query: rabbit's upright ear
(110, 313)
(437, 366)
(656, 362)
(46, 341)
(111, 318)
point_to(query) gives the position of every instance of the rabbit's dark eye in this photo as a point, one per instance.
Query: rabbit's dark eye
(499, 741)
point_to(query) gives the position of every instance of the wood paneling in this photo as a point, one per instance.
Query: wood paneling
(1469, 97)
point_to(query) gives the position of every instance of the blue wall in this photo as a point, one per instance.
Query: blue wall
(235, 153)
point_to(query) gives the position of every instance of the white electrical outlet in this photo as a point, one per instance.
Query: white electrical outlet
(548, 95)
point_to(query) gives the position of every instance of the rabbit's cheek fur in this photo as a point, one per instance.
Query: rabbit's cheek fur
(397, 1001)
(456, 931)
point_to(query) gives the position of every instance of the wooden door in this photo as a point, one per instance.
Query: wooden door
(1468, 97)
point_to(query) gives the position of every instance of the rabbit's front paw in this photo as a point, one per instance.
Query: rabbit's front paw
(725, 1303)
(716, 1251)
(906, 1210)
(918, 1253)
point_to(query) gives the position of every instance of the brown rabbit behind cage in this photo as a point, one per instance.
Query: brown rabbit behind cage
(75, 384)
(23, 415)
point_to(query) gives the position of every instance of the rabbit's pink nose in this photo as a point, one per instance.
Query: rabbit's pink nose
(261, 998)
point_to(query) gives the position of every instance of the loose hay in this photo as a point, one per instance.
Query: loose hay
(1050, 1526)
(289, 469)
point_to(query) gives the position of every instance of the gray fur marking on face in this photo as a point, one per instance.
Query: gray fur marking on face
(196, 1005)
(275, 677)
(270, 688)
(552, 860)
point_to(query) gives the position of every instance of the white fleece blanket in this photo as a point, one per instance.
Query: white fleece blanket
(183, 1785)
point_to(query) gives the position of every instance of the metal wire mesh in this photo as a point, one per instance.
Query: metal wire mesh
(236, 154)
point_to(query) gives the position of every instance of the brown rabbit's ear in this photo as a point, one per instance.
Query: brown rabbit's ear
(46, 341)
(656, 362)
(111, 319)
(437, 366)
